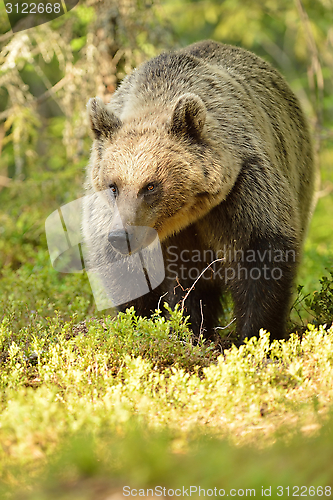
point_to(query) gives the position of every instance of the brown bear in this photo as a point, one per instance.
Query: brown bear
(208, 146)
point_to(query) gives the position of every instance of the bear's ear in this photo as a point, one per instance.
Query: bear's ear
(188, 116)
(103, 122)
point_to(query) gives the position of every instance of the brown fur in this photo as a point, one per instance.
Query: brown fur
(221, 137)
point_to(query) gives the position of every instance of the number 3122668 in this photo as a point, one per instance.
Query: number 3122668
(33, 8)
(304, 491)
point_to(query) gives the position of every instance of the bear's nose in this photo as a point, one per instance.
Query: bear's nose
(120, 241)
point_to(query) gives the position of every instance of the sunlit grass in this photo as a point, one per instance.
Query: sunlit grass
(61, 384)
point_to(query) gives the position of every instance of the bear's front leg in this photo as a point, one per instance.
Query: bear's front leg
(261, 286)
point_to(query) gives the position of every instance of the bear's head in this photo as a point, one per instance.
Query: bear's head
(158, 166)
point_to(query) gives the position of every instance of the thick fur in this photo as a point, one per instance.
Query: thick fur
(221, 138)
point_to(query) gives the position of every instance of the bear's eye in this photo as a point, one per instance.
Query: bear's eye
(150, 187)
(113, 189)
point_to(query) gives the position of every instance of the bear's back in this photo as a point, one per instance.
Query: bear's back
(179, 70)
(213, 71)
(253, 74)
(229, 57)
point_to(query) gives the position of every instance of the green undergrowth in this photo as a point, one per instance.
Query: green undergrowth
(133, 461)
(129, 401)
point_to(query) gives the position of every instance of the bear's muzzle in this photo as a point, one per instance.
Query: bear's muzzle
(132, 239)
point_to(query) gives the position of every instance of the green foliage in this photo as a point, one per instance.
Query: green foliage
(81, 395)
(97, 465)
(28, 203)
(322, 302)
(163, 343)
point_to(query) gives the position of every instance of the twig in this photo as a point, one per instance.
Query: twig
(159, 300)
(202, 318)
(224, 327)
(190, 290)
(178, 284)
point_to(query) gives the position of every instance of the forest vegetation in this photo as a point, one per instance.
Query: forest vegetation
(91, 403)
